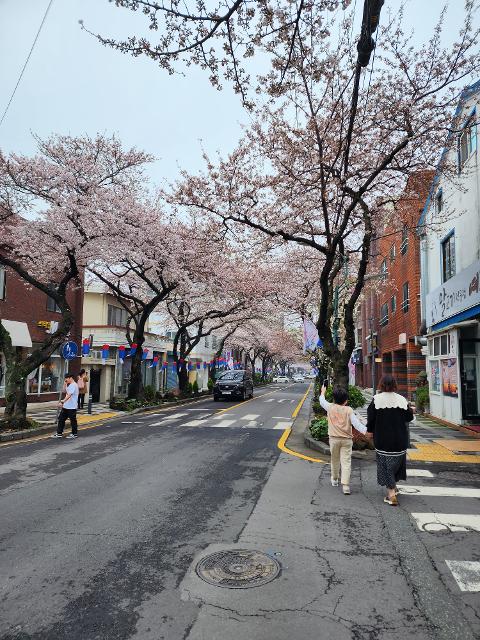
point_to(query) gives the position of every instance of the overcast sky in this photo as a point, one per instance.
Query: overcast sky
(74, 85)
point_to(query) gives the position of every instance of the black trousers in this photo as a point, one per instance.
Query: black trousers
(64, 415)
(81, 400)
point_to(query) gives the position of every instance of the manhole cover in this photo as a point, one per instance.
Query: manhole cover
(238, 569)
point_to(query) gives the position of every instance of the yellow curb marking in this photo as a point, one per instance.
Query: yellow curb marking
(300, 404)
(459, 445)
(281, 445)
(99, 416)
(437, 453)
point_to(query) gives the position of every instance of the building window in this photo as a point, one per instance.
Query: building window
(384, 314)
(404, 243)
(448, 257)
(467, 142)
(384, 269)
(359, 336)
(117, 317)
(406, 298)
(52, 305)
(393, 304)
(3, 283)
(439, 201)
(393, 253)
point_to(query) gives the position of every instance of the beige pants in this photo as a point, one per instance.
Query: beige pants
(341, 456)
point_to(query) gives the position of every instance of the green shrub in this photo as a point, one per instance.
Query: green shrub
(195, 387)
(190, 389)
(210, 384)
(319, 428)
(356, 398)
(422, 379)
(149, 392)
(422, 398)
(317, 408)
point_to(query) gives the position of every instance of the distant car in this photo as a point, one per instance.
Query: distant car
(281, 379)
(233, 384)
(298, 378)
(310, 376)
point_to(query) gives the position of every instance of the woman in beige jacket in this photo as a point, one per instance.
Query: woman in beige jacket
(341, 419)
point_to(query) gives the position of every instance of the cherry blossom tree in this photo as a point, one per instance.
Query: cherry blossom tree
(56, 207)
(317, 171)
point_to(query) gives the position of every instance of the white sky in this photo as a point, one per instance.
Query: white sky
(74, 85)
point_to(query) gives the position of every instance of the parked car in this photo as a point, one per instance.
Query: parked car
(233, 384)
(281, 379)
(298, 378)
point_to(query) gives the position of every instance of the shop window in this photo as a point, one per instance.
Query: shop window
(435, 375)
(359, 336)
(48, 377)
(393, 304)
(406, 298)
(384, 314)
(448, 257)
(444, 345)
(467, 142)
(404, 243)
(116, 316)
(52, 305)
(3, 283)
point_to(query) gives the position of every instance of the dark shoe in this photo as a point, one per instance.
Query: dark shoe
(72, 436)
(56, 435)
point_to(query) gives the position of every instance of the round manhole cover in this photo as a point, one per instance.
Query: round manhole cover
(238, 569)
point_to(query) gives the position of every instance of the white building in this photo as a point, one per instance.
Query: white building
(450, 272)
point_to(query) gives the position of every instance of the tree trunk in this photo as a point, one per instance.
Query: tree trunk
(182, 377)
(135, 385)
(340, 370)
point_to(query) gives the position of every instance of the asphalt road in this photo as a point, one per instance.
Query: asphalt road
(100, 536)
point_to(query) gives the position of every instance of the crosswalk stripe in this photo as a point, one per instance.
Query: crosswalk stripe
(224, 423)
(456, 492)
(250, 416)
(282, 425)
(466, 574)
(431, 522)
(194, 423)
(419, 473)
(269, 400)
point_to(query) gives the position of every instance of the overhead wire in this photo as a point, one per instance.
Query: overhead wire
(26, 62)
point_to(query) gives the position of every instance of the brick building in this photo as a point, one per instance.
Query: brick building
(34, 312)
(390, 309)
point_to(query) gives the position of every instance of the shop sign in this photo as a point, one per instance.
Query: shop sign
(454, 296)
(45, 324)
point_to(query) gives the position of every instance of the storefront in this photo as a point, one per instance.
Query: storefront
(453, 316)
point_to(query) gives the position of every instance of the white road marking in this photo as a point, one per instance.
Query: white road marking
(220, 417)
(193, 423)
(126, 422)
(282, 425)
(466, 574)
(224, 423)
(431, 522)
(251, 424)
(455, 492)
(250, 416)
(195, 409)
(419, 473)
(292, 401)
(269, 400)
(281, 399)
(281, 418)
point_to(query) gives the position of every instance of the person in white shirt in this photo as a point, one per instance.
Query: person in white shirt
(69, 408)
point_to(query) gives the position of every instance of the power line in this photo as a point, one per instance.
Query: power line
(26, 62)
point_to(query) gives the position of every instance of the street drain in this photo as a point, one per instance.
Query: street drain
(238, 569)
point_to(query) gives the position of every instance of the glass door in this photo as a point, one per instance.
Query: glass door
(470, 372)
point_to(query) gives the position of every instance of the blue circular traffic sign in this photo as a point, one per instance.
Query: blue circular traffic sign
(70, 350)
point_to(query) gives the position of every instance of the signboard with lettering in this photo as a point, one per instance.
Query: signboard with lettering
(454, 296)
(449, 377)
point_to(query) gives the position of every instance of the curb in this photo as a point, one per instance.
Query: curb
(49, 428)
(318, 445)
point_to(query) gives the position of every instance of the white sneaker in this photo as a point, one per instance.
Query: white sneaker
(71, 436)
(56, 435)
(346, 490)
(334, 483)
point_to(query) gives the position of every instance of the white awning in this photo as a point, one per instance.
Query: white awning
(19, 333)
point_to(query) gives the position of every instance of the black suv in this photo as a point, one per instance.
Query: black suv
(237, 384)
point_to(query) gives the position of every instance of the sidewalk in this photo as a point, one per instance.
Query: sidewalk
(45, 413)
